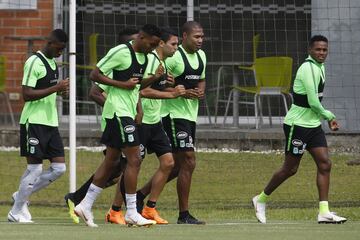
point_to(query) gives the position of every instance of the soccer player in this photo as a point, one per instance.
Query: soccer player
(39, 134)
(122, 68)
(302, 128)
(188, 68)
(152, 135)
(114, 215)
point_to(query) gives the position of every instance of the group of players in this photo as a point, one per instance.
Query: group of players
(149, 87)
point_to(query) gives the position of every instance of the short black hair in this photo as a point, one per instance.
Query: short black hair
(59, 35)
(124, 35)
(151, 30)
(166, 33)
(189, 26)
(317, 38)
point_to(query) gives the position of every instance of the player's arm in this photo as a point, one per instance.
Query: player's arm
(96, 94)
(312, 93)
(97, 76)
(139, 112)
(153, 77)
(167, 94)
(32, 94)
(112, 60)
(32, 73)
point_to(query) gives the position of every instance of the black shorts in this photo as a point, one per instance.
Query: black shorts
(181, 133)
(154, 139)
(120, 132)
(40, 141)
(300, 138)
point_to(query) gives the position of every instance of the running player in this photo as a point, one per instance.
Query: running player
(302, 128)
(114, 215)
(122, 68)
(188, 68)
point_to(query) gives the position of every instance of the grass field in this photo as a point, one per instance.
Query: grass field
(222, 188)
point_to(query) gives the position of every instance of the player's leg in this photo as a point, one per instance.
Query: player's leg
(115, 215)
(158, 182)
(19, 211)
(295, 139)
(318, 149)
(83, 209)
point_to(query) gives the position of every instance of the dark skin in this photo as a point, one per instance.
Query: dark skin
(317, 51)
(144, 43)
(185, 162)
(52, 49)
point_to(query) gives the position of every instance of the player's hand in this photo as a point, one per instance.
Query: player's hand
(63, 85)
(333, 125)
(200, 93)
(129, 84)
(159, 71)
(191, 93)
(179, 90)
(170, 80)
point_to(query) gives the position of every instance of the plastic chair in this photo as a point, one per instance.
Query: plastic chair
(2, 87)
(272, 77)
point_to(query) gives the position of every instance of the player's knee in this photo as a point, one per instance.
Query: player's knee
(190, 162)
(167, 165)
(58, 169)
(325, 165)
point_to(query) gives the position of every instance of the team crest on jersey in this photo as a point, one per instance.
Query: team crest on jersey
(181, 135)
(129, 128)
(33, 141)
(297, 142)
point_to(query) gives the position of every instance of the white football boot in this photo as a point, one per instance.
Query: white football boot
(259, 209)
(135, 219)
(330, 217)
(85, 214)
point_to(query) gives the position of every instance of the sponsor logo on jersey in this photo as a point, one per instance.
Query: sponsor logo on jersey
(181, 135)
(129, 128)
(297, 142)
(33, 141)
(192, 77)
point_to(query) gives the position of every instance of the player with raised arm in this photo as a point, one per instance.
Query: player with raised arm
(39, 134)
(302, 128)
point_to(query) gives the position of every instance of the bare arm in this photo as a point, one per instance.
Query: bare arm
(96, 94)
(148, 81)
(156, 94)
(31, 94)
(140, 113)
(97, 76)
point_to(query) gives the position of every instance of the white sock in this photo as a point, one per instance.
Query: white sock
(91, 196)
(26, 186)
(51, 174)
(131, 203)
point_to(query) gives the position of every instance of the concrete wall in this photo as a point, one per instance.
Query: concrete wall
(339, 20)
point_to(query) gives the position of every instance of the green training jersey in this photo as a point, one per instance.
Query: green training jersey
(122, 63)
(40, 72)
(307, 111)
(152, 107)
(187, 69)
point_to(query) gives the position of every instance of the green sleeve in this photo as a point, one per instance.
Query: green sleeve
(311, 88)
(31, 73)
(116, 58)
